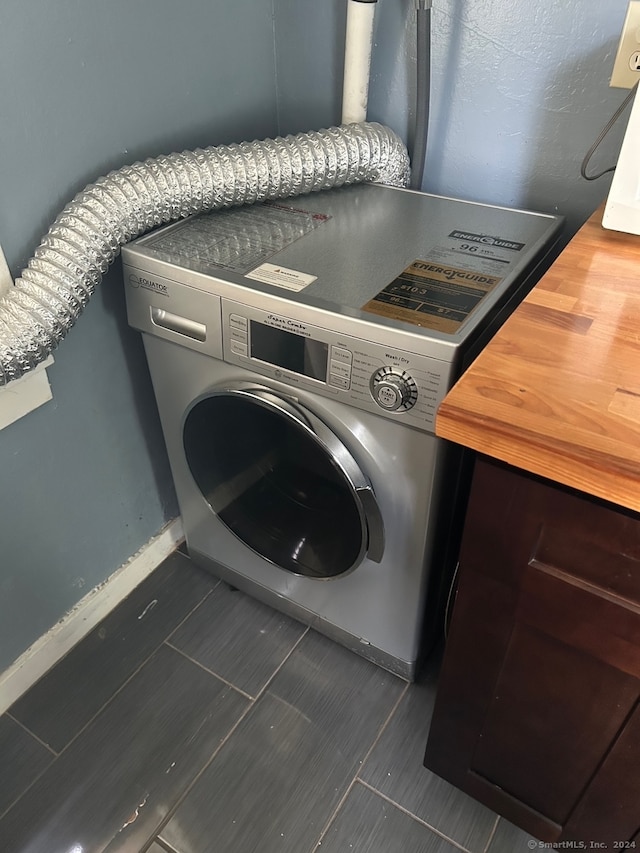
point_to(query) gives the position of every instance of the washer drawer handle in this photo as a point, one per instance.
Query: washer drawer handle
(181, 325)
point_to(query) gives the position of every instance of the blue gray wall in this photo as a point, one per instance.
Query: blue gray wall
(88, 86)
(309, 49)
(520, 90)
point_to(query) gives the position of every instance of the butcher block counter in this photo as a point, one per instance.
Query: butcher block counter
(538, 707)
(557, 390)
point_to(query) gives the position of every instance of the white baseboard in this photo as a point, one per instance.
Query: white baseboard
(90, 610)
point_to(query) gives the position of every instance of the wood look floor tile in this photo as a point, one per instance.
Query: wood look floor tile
(367, 823)
(238, 638)
(395, 769)
(112, 788)
(70, 694)
(510, 839)
(22, 758)
(277, 780)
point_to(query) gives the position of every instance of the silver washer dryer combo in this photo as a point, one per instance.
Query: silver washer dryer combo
(298, 352)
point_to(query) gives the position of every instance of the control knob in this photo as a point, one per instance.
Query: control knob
(393, 390)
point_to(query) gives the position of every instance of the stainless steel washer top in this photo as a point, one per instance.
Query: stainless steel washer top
(376, 295)
(441, 263)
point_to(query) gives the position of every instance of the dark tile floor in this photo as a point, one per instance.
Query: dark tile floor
(196, 720)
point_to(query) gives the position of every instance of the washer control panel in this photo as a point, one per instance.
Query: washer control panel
(391, 382)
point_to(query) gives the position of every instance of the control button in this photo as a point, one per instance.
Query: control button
(338, 369)
(388, 397)
(239, 348)
(338, 354)
(339, 381)
(238, 335)
(238, 322)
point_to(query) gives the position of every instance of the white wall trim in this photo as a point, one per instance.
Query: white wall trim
(23, 395)
(90, 610)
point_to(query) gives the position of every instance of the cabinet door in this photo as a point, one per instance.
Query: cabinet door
(537, 712)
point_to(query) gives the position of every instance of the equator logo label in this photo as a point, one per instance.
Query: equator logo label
(137, 281)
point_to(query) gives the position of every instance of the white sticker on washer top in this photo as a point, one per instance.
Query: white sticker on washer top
(281, 277)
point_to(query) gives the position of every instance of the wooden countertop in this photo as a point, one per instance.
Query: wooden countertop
(557, 390)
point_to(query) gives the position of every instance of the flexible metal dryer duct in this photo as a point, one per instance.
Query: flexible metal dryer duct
(46, 301)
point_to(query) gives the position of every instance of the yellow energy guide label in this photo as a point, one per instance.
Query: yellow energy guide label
(433, 295)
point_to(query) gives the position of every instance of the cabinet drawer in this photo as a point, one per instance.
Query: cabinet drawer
(552, 528)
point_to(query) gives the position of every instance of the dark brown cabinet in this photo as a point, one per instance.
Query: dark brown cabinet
(538, 712)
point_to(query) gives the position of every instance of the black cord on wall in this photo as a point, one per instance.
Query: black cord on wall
(614, 118)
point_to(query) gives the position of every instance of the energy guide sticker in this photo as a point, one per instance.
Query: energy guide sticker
(432, 295)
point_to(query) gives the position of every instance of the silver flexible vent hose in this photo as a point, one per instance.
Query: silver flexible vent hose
(37, 313)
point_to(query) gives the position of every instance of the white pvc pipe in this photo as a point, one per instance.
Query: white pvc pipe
(5, 275)
(357, 60)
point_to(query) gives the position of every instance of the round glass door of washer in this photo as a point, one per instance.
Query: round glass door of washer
(279, 480)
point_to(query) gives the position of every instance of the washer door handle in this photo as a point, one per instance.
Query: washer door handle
(341, 456)
(375, 524)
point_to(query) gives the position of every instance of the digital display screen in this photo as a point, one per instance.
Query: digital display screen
(289, 351)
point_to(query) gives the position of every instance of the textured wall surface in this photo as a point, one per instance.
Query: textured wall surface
(89, 86)
(520, 91)
(309, 47)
